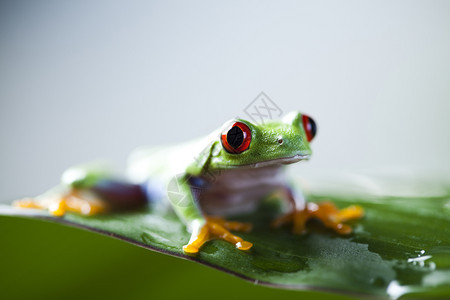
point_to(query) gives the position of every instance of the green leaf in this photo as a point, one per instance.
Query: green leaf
(401, 247)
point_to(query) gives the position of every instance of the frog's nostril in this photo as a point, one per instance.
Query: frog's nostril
(280, 141)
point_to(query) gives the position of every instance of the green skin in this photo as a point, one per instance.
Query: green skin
(205, 157)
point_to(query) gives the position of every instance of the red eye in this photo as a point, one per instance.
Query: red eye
(236, 138)
(310, 127)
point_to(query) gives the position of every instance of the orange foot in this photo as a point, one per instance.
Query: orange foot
(326, 212)
(58, 205)
(217, 228)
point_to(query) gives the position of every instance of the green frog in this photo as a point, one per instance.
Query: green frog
(206, 180)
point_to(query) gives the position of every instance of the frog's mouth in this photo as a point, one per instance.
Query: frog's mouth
(281, 161)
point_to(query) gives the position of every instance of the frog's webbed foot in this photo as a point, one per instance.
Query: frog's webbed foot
(59, 204)
(217, 228)
(297, 217)
(327, 212)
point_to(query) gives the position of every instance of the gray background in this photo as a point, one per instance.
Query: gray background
(94, 79)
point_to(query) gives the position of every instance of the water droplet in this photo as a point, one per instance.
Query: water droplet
(422, 260)
(395, 290)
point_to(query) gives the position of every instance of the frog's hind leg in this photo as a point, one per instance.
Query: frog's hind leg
(70, 201)
(88, 189)
(103, 196)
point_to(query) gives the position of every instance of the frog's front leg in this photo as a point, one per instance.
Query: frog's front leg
(214, 227)
(203, 228)
(326, 212)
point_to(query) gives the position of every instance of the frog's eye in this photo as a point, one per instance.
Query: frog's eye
(310, 127)
(236, 138)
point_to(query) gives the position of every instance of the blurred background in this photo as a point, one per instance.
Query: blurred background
(84, 80)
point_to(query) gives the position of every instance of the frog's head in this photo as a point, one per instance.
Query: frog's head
(256, 145)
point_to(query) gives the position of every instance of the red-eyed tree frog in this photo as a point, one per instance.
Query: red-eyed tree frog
(226, 173)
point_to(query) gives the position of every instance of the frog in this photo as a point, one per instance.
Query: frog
(207, 181)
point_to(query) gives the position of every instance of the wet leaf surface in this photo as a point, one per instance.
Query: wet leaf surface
(401, 247)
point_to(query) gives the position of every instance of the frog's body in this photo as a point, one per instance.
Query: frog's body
(224, 192)
(241, 190)
(225, 173)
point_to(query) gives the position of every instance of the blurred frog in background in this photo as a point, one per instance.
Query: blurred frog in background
(206, 180)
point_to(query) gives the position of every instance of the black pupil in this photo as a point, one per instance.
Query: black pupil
(235, 137)
(313, 127)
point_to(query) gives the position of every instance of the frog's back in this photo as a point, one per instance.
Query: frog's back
(162, 162)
